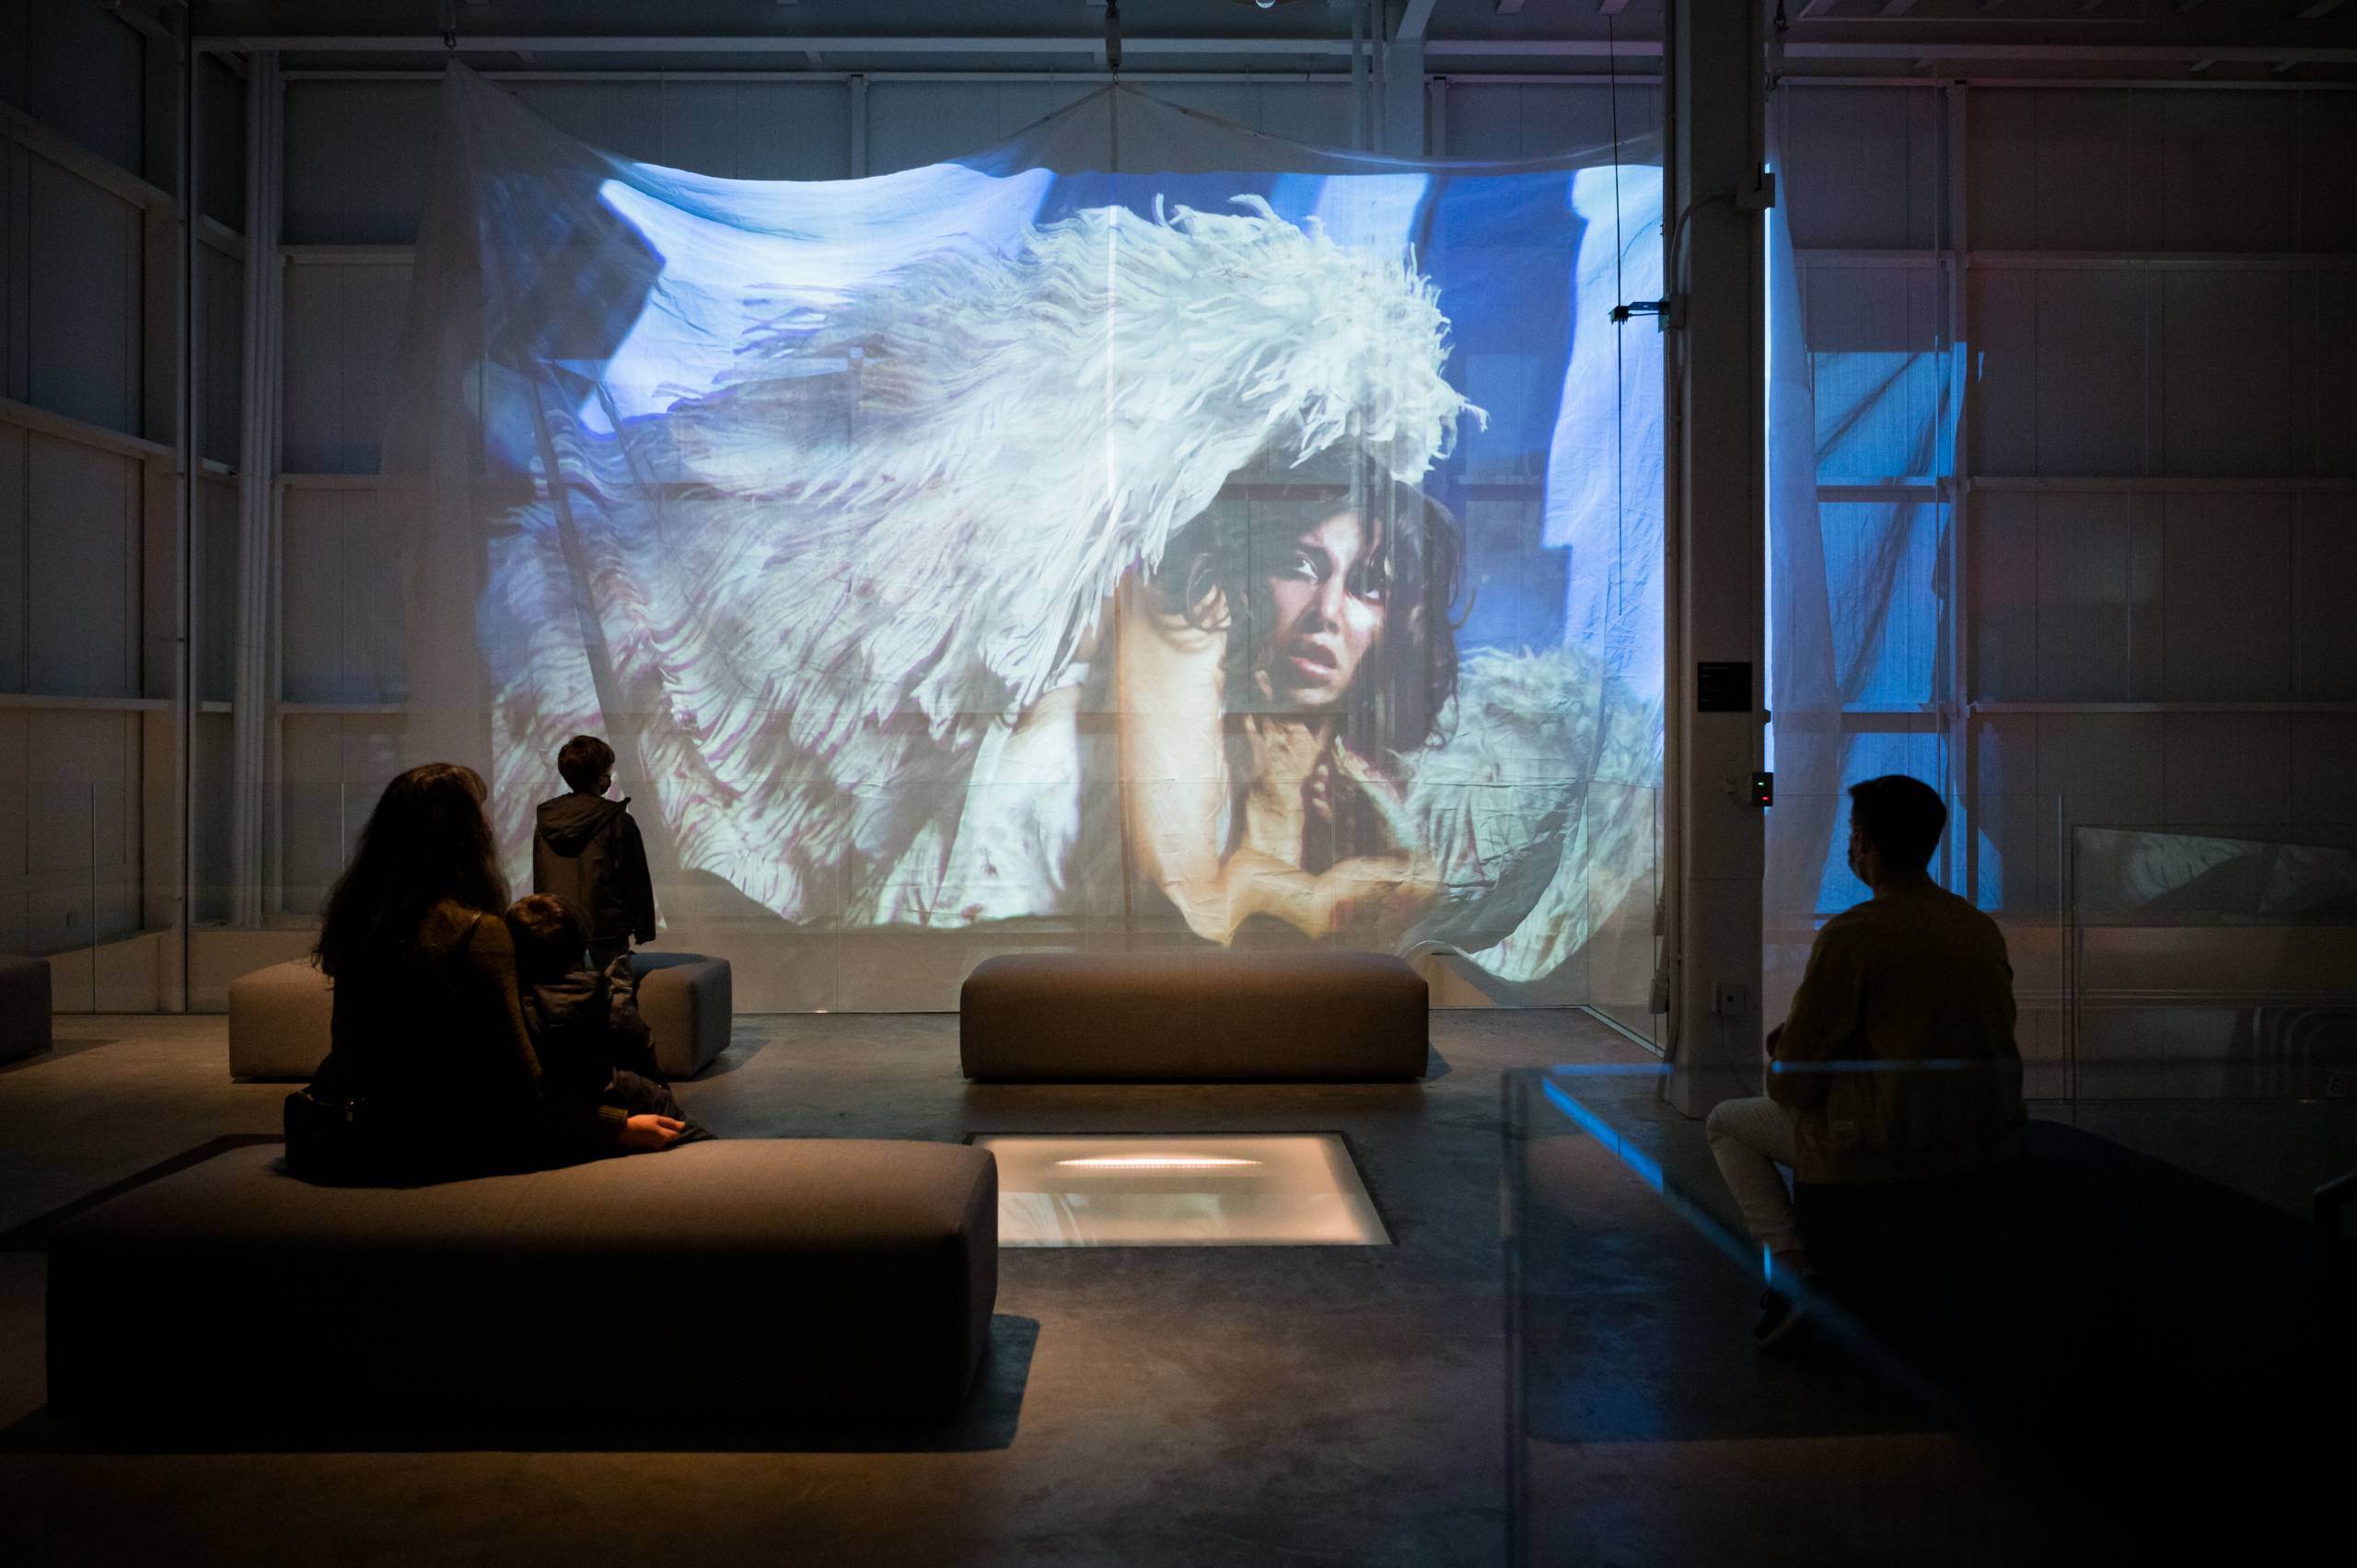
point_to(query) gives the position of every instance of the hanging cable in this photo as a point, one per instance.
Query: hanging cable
(1113, 36)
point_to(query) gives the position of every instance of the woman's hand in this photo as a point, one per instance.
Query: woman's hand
(649, 1133)
(1287, 771)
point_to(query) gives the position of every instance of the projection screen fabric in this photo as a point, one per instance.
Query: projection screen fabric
(1146, 533)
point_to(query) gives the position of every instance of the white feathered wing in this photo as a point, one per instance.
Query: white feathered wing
(898, 518)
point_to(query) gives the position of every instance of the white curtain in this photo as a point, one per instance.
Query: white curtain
(1145, 532)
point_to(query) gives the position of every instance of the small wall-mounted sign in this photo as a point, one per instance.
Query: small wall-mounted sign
(1722, 688)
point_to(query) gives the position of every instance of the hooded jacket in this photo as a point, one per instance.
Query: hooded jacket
(587, 849)
(584, 1025)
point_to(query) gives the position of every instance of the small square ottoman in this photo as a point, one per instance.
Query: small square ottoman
(24, 1007)
(278, 1021)
(685, 999)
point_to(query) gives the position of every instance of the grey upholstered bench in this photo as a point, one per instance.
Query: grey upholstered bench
(1194, 1015)
(279, 1015)
(755, 1280)
(25, 1003)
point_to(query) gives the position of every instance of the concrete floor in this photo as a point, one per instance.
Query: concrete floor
(1268, 1405)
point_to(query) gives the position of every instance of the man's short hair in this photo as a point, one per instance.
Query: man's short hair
(1902, 817)
(550, 935)
(584, 760)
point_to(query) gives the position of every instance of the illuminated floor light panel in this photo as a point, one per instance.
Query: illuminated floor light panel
(1194, 1190)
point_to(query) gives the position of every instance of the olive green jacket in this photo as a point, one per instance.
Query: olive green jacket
(1898, 1058)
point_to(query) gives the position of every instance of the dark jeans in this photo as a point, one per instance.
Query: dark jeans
(644, 1097)
(605, 950)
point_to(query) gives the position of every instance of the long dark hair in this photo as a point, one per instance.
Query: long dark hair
(1223, 557)
(427, 841)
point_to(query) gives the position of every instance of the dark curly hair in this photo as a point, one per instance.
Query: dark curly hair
(426, 841)
(1219, 565)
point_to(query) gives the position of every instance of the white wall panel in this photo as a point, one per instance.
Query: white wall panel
(357, 161)
(2076, 168)
(2228, 771)
(620, 117)
(2093, 409)
(2323, 760)
(913, 124)
(81, 74)
(341, 595)
(2324, 624)
(343, 334)
(2226, 389)
(82, 340)
(2226, 170)
(15, 810)
(220, 141)
(213, 569)
(1861, 168)
(1523, 119)
(15, 272)
(80, 840)
(220, 352)
(2002, 392)
(1317, 114)
(2324, 347)
(82, 578)
(2106, 768)
(210, 782)
(2228, 594)
(2083, 548)
(334, 768)
(16, 549)
(758, 129)
(2328, 150)
(2002, 595)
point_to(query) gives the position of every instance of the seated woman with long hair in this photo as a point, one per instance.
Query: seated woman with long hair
(430, 1048)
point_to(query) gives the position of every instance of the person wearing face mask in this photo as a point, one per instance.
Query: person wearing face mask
(1896, 1061)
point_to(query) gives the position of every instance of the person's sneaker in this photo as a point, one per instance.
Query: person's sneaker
(1780, 1319)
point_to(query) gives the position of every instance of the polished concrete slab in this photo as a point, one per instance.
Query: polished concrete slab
(1143, 1405)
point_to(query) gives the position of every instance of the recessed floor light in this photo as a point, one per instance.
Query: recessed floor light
(1200, 1190)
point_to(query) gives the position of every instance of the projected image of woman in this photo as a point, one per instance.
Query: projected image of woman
(1318, 614)
(1029, 582)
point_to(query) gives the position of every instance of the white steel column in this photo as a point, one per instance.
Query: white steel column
(1717, 482)
(254, 683)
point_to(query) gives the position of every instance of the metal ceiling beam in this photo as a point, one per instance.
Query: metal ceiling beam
(1940, 49)
(1413, 21)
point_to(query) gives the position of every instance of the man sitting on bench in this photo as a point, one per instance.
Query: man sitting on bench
(1896, 1061)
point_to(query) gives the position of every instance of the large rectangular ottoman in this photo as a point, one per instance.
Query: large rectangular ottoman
(25, 1003)
(1210, 1016)
(766, 1280)
(279, 1020)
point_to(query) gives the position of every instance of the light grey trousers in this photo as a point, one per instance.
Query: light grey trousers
(1750, 1138)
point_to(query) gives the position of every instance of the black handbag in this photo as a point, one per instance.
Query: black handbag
(328, 1140)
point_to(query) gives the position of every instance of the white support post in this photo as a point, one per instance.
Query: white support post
(859, 127)
(1358, 75)
(254, 693)
(1957, 713)
(1716, 375)
(1403, 98)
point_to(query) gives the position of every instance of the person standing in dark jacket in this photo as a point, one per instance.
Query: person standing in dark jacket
(587, 849)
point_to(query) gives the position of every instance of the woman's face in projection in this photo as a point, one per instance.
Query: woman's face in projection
(1330, 595)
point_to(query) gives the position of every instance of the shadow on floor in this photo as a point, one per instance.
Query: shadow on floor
(33, 1234)
(994, 1411)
